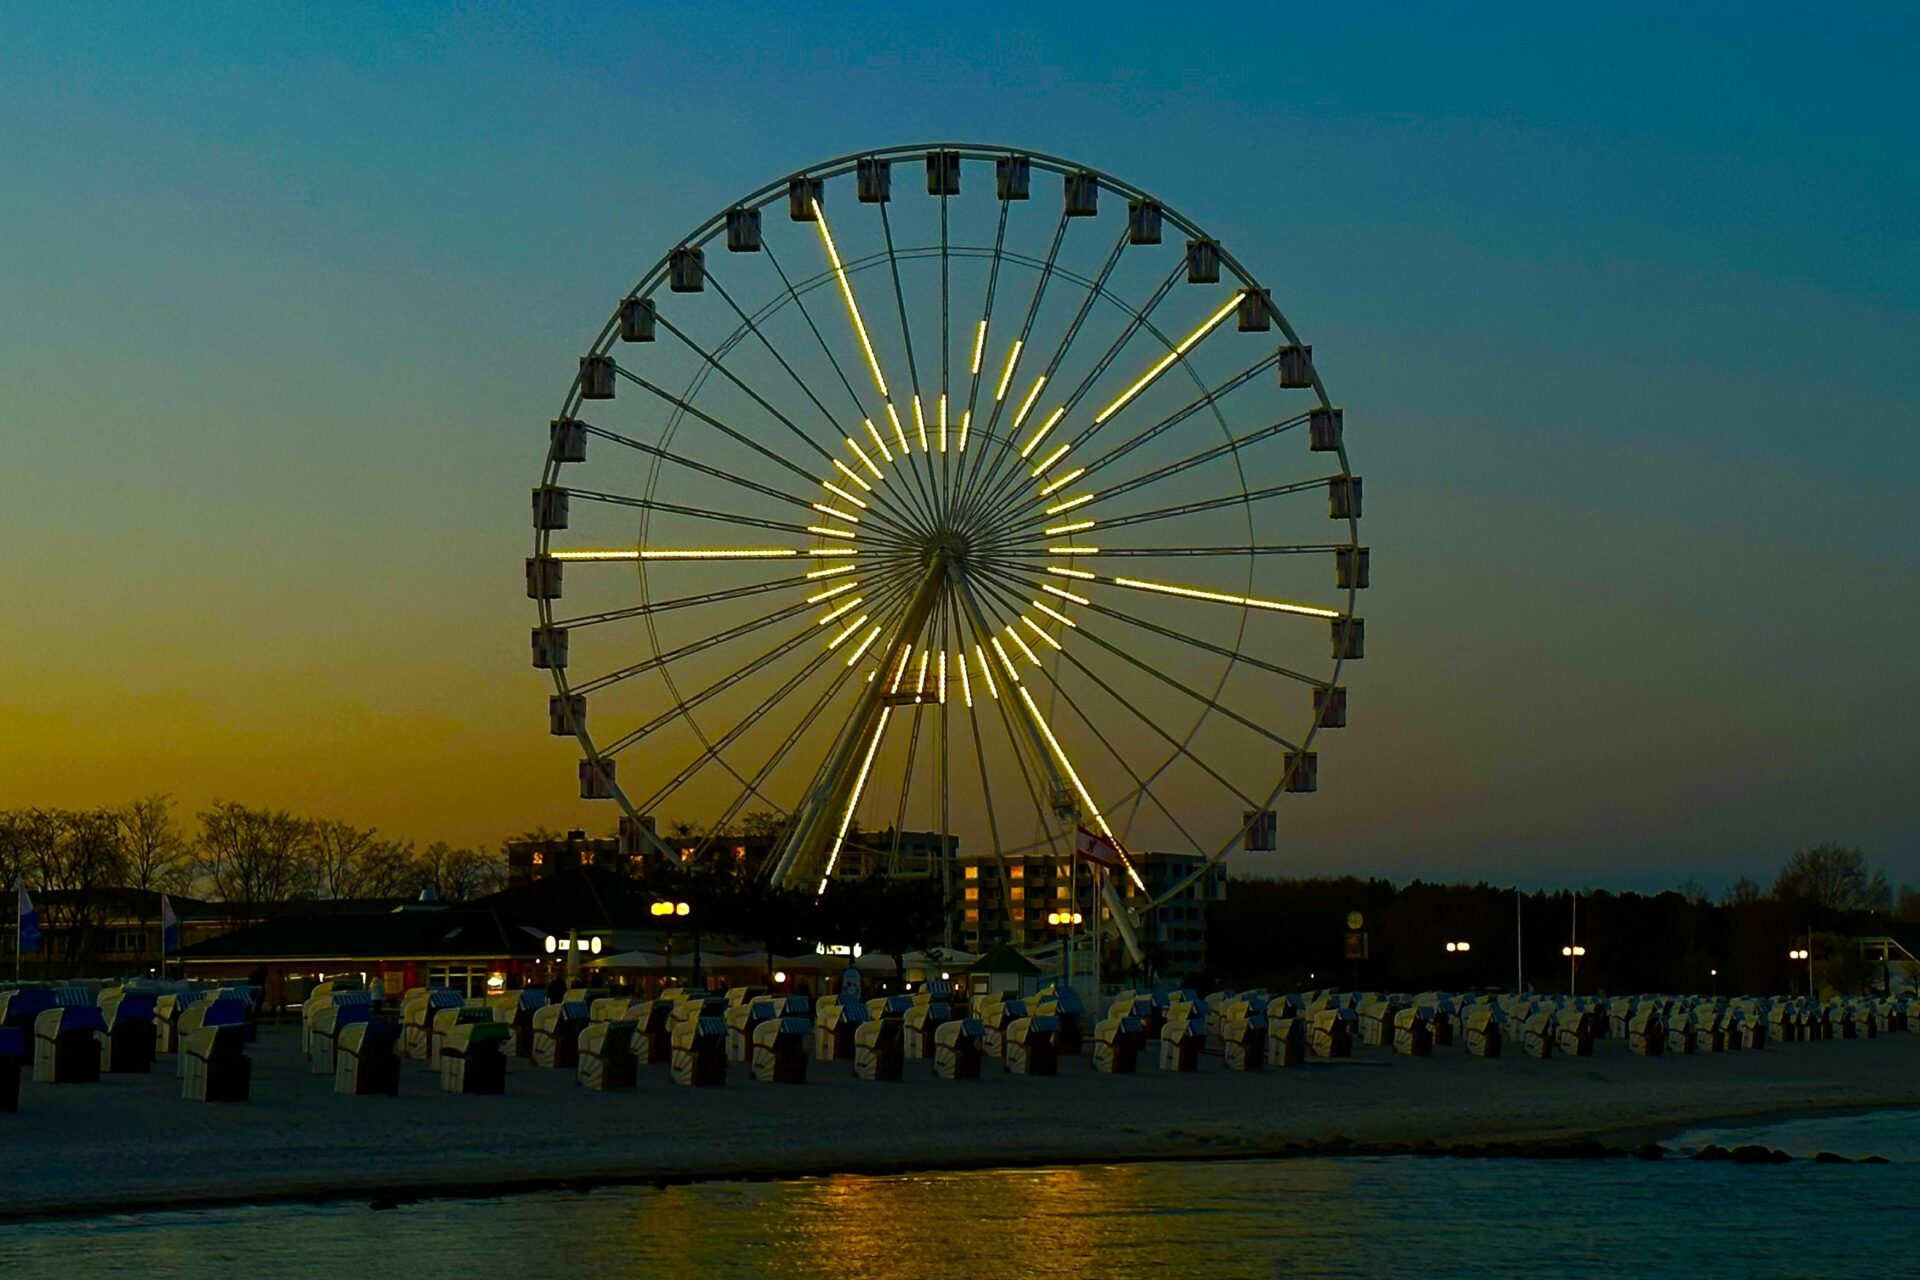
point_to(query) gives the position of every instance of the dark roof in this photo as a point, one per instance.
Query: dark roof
(133, 902)
(1002, 958)
(389, 935)
(575, 898)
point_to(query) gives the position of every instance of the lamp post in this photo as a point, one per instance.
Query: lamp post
(665, 912)
(1805, 953)
(1573, 954)
(1070, 921)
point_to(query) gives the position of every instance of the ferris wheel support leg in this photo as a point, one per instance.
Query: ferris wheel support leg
(833, 786)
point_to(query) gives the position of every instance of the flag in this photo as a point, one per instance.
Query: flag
(28, 921)
(169, 927)
(1098, 849)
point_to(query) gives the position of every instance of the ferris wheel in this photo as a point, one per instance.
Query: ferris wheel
(1010, 508)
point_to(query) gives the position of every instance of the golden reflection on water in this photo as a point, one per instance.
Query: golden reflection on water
(1103, 1220)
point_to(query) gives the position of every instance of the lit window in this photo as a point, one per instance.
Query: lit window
(1018, 893)
(586, 857)
(973, 915)
(973, 893)
(1017, 870)
(539, 858)
(1059, 891)
(973, 873)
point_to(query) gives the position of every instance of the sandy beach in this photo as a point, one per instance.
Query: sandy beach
(131, 1142)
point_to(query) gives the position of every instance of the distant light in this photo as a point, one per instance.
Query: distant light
(944, 975)
(495, 981)
(779, 975)
(553, 944)
(681, 908)
(594, 945)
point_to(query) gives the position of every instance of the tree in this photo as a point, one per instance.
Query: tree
(1741, 893)
(1908, 909)
(85, 856)
(26, 843)
(761, 824)
(158, 859)
(254, 857)
(775, 917)
(1832, 878)
(458, 874)
(890, 915)
(340, 857)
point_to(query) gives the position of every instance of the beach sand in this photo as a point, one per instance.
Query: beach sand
(130, 1142)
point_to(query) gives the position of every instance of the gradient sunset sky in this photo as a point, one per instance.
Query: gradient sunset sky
(1621, 307)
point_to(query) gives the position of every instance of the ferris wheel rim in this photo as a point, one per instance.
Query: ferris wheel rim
(837, 167)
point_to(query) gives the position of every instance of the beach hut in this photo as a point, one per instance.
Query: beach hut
(128, 1045)
(606, 1055)
(833, 1028)
(166, 1019)
(516, 1009)
(652, 1038)
(326, 995)
(878, 1052)
(1645, 1034)
(1117, 1041)
(1001, 969)
(922, 1019)
(1376, 1021)
(366, 1059)
(1182, 1038)
(995, 1012)
(1330, 1032)
(67, 1042)
(13, 1056)
(324, 1035)
(1573, 1032)
(214, 1063)
(1030, 1047)
(417, 1008)
(1680, 1031)
(556, 1034)
(445, 1020)
(1243, 1034)
(1484, 1033)
(1413, 1032)
(1537, 1033)
(1062, 1003)
(780, 1049)
(699, 1045)
(1286, 1042)
(473, 1058)
(957, 1052)
(741, 1019)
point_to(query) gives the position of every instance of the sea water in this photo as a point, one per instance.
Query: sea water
(1431, 1217)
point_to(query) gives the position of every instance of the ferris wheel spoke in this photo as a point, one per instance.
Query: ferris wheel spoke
(1079, 553)
(1207, 400)
(1026, 577)
(1095, 291)
(688, 703)
(718, 365)
(659, 660)
(979, 352)
(680, 602)
(739, 437)
(697, 513)
(1188, 690)
(718, 473)
(1181, 748)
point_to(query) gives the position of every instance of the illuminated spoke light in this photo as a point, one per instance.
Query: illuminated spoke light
(853, 475)
(879, 442)
(842, 494)
(966, 685)
(1046, 464)
(1014, 636)
(1065, 572)
(1160, 366)
(1054, 613)
(831, 570)
(842, 638)
(1006, 374)
(831, 614)
(966, 424)
(862, 647)
(1038, 630)
(826, 510)
(899, 432)
(832, 551)
(942, 686)
(831, 592)
(979, 346)
(1061, 508)
(1055, 486)
(1223, 597)
(899, 672)
(1052, 420)
(846, 292)
(853, 801)
(1064, 594)
(1005, 661)
(941, 422)
(828, 531)
(1026, 406)
(1085, 797)
(920, 679)
(1073, 551)
(986, 672)
(1062, 530)
(920, 424)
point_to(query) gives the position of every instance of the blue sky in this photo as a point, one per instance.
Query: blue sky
(1621, 305)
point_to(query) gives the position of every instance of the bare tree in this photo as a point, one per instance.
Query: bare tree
(390, 869)
(84, 859)
(26, 843)
(255, 856)
(459, 874)
(339, 851)
(1834, 878)
(1740, 893)
(761, 824)
(158, 859)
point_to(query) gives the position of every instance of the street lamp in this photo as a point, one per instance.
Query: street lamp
(1453, 948)
(1805, 953)
(1068, 918)
(1573, 954)
(665, 912)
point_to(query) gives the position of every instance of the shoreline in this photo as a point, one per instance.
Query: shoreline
(130, 1146)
